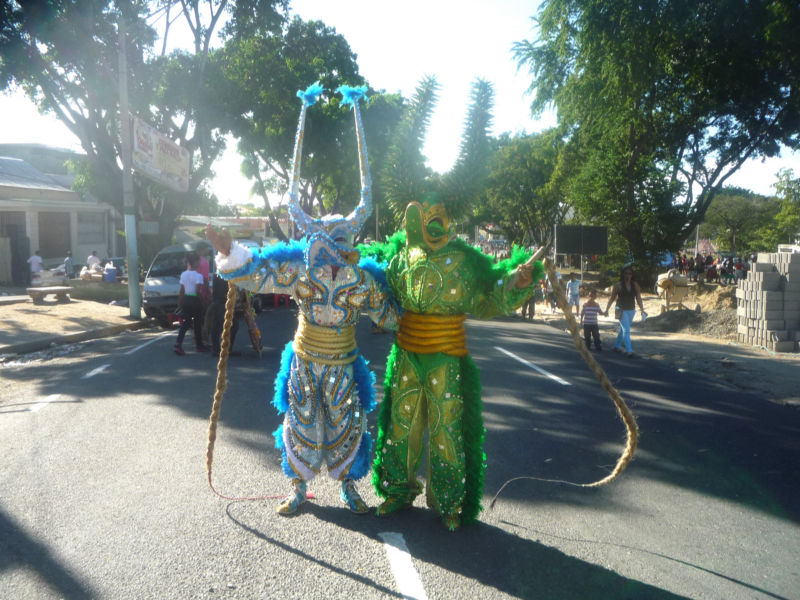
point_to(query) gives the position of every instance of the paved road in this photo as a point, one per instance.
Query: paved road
(104, 492)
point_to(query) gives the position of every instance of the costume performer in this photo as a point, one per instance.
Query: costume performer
(431, 382)
(324, 387)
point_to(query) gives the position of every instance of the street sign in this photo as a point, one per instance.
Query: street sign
(159, 158)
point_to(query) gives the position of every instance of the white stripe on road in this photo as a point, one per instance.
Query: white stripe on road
(406, 576)
(533, 366)
(96, 371)
(45, 402)
(147, 343)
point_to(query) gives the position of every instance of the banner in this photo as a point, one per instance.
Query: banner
(159, 158)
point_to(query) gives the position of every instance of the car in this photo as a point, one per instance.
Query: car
(162, 284)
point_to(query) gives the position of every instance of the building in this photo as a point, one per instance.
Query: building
(39, 211)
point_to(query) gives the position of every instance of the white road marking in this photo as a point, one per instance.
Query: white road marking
(45, 402)
(406, 576)
(147, 343)
(533, 366)
(96, 371)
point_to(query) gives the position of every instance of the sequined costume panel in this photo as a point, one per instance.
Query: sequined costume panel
(426, 390)
(326, 393)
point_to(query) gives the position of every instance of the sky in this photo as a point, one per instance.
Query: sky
(397, 44)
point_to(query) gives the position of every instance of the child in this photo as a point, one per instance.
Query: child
(591, 329)
(190, 306)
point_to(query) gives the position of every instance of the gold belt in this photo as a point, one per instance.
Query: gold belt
(428, 334)
(327, 345)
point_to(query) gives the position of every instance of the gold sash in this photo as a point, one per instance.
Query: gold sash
(326, 345)
(428, 334)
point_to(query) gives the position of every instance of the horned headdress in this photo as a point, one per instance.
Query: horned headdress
(331, 227)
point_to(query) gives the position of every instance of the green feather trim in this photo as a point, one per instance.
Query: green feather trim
(383, 252)
(474, 433)
(384, 420)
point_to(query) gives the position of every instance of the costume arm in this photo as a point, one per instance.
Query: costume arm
(273, 269)
(381, 306)
(495, 290)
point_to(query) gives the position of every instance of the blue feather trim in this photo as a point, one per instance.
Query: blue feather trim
(351, 95)
(281, 398)
(285, 466)
(376, 269)
(311, 93)
(282, 251)
(361, 463)
(365, 384)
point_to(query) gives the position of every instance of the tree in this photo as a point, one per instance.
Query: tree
(520, 197)
(734, 218)
(64, 55)
(662, 100)
(261, 74)
(785, 228)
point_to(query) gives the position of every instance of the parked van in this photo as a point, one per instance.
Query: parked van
(162, 283)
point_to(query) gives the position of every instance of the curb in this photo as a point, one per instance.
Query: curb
(71, 338)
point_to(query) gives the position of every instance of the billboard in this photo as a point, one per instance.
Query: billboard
(581, 239)
(159, 158)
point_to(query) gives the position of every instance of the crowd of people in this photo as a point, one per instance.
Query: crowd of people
(720, 269)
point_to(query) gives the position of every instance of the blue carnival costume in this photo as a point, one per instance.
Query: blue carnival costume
(324, 387)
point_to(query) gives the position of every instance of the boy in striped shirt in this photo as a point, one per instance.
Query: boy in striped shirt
(591, 329)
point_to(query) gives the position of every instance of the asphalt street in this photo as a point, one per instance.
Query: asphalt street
(104, 491)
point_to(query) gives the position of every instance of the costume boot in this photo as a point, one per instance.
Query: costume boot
(291, 504)
(350, 496)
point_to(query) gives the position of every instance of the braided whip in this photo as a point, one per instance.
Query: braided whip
(624, 412)
(222, 378)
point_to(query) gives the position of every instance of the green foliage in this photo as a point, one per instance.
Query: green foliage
(785, 228)
(65, 56)
(733, 220)
(403, 175)
(521, 196)
(662, 101)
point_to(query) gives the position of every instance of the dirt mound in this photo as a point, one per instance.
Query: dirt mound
(716, 317)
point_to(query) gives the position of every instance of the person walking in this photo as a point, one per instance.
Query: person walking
(627, 294)
(189, 305)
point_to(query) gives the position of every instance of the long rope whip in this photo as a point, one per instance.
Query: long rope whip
(624, 412)
(219, 392)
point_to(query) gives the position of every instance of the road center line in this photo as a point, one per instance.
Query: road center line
(147, 343)
(533, 366)
(406, 576)
(45, 402)
(96, 371)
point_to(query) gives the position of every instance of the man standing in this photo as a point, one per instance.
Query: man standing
(35, 261)
(69, 268)
(93, 260)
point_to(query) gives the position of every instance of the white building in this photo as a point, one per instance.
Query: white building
(39, 211)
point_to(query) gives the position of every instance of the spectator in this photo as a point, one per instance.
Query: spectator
(626, 292)
(591, 328)
(93, 261)
(189, 306)
(69, 267)
(36, 263)
(574, 292)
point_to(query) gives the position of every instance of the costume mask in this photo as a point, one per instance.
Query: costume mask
(427, 224)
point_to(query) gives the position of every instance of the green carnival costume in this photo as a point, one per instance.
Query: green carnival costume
(431, 382)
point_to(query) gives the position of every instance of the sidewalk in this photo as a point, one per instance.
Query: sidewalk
(27, 327)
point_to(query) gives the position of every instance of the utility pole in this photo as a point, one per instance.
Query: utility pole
(128, 199)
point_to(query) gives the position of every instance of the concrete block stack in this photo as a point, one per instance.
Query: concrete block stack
(768, 303)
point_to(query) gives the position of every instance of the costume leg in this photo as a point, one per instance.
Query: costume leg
(446, 466)
(404, 437)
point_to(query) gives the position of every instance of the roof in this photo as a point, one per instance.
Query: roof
(15, 172)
